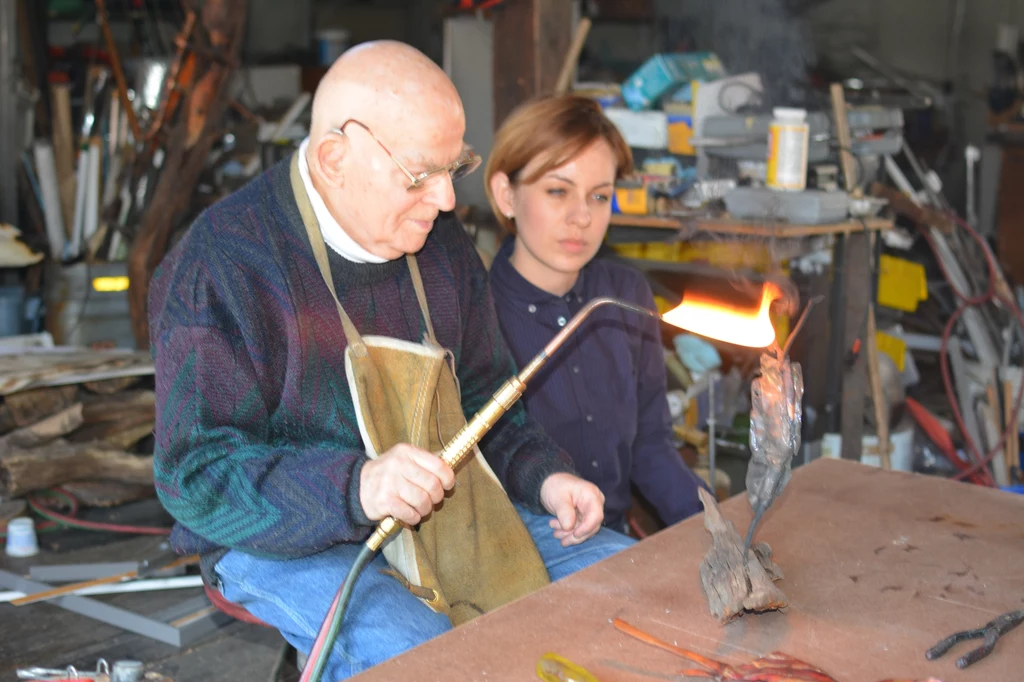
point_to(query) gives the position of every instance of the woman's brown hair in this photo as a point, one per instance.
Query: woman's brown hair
(558, 126)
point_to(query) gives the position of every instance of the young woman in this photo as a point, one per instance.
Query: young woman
(550, 179)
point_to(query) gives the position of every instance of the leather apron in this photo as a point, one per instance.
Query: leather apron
(472, 554)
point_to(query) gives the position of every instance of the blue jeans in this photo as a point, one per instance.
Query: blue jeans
(383, 618)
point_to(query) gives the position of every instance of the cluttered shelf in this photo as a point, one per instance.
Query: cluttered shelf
(749, 228)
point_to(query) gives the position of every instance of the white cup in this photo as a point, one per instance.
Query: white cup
(21, 537)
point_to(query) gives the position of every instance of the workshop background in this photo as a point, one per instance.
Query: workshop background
(121, 120)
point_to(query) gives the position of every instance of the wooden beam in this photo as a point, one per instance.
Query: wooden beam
(811, 347)
(922, 216)
(842, 134)
(531, 39)
(860, 313)
(851, 411)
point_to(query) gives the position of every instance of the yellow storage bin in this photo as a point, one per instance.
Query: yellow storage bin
(632, 200)
(631, 249)
(754, 256)
(663, 251)
(680, 132)
(894, 347)
(901, 283)
(662, 304)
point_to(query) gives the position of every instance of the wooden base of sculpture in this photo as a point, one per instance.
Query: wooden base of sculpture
(731, 585)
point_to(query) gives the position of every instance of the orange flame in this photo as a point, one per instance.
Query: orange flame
(705, 316)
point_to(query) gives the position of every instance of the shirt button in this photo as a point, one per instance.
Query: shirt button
(589, 418)
(532, 308)
(594, 464)
(561, 321)
(575, 369)
(568, 298)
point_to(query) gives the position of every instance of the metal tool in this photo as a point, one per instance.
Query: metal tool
(68, 673)
(990, 633)
(774, 666)
(149, 567)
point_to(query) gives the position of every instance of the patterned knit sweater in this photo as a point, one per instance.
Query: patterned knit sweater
(257, 444)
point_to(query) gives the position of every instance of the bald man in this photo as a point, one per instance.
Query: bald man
(259, 452)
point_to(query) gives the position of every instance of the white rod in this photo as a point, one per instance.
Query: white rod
(711, 431)
(92, 192)
(81, 189)
(290, 116)
(179, 583)
(49, 186)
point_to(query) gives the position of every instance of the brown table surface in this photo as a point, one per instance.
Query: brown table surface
(878, 567)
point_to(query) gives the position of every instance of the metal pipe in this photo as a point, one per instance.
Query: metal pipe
(890, 73)
(9, 148)
(712, 378)
(504, 398)
(115, 63)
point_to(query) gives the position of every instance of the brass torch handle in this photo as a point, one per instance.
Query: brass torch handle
(459, 446)
(470, 434)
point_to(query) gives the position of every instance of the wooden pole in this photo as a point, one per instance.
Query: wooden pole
(115, 62)
(531, 39)
(188, 145)
(1012, 442)
(573, 56)
(848, 163)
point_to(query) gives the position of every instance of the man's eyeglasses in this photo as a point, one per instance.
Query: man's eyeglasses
(467, 162)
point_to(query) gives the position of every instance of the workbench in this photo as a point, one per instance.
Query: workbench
(879, 566)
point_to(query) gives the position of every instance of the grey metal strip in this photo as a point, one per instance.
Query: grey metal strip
(75, 572)
(155, 628)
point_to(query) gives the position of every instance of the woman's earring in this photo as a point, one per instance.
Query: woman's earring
(509, 216)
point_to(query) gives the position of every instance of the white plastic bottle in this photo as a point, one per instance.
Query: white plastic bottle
(788, 139)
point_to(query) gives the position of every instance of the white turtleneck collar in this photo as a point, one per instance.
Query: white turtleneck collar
(334, 235)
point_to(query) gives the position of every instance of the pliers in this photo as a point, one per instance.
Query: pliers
(990, 633)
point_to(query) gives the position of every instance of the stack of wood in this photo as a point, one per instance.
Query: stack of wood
(78, 425)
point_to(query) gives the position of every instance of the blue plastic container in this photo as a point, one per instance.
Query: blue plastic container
(659, 76)
(12, 301)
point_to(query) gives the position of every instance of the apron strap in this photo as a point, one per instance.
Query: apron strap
(421, 296)
(316, 240)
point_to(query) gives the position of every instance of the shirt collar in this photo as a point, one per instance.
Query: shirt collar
(514, 285)
(334, 235)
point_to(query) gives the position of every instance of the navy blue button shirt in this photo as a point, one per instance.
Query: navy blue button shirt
(601, 397)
